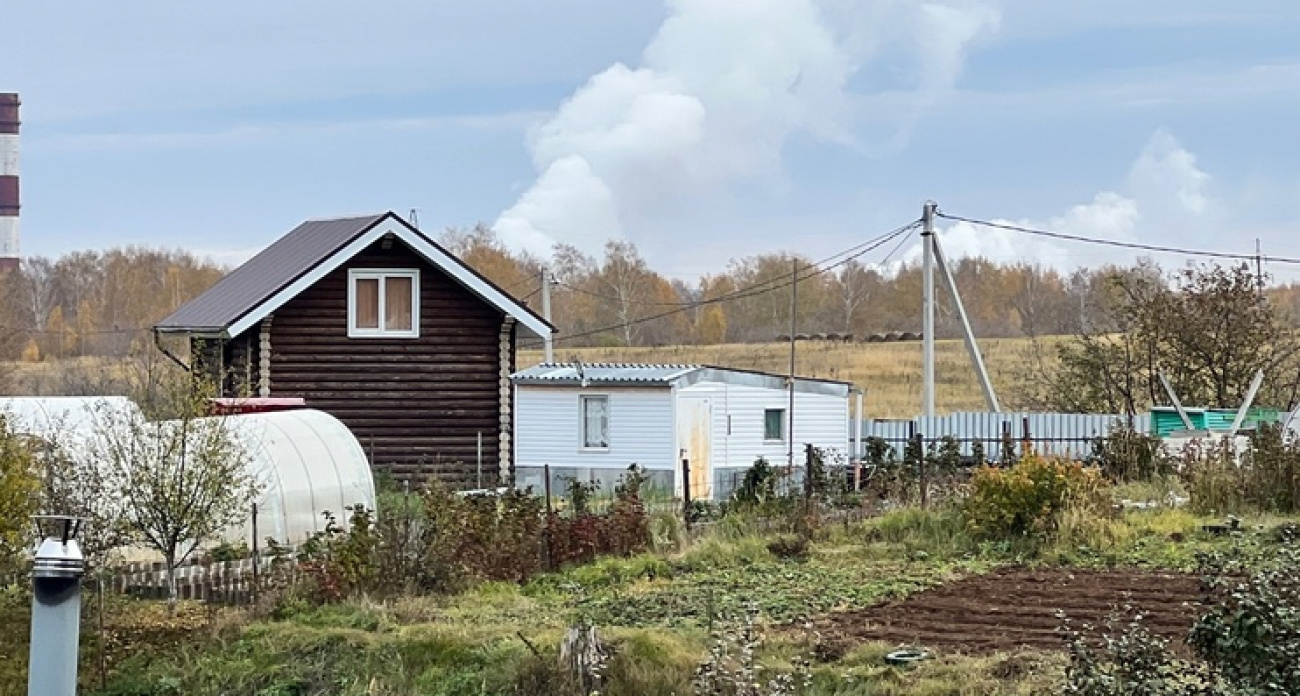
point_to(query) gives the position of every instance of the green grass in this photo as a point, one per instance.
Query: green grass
(656, 610)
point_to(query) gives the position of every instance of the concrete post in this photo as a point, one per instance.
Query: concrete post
(56, 611)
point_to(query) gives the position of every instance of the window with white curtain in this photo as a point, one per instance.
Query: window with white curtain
(595, 422)
(383, 303)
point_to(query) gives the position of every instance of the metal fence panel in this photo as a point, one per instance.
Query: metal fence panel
(1054, 434)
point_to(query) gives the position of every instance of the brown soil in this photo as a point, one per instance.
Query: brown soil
(1016, 608)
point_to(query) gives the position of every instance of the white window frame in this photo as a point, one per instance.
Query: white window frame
(582, 422)
(784, 424)
(381, 274)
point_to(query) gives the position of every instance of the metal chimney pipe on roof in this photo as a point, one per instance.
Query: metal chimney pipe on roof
(9, 254)
(56, 609)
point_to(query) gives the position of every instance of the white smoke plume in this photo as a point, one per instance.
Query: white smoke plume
(721, 88)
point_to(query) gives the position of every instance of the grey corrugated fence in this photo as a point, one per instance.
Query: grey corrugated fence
(1057, 434)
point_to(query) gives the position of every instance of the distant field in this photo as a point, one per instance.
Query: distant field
(889, 372)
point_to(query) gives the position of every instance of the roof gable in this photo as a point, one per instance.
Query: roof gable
(311, 251)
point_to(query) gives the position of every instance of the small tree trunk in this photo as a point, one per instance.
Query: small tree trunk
(170, 558)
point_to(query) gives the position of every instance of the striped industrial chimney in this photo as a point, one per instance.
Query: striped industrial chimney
(8, 181)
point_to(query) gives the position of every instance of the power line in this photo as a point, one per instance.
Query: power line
(758, 288)
(1115, 243)
(74, 332)
(856, 251)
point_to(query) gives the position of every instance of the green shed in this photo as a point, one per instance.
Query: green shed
(1165, 420)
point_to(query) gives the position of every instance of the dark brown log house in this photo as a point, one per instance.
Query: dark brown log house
(371, 321)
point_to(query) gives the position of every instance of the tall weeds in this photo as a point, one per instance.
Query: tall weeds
(1264, 478)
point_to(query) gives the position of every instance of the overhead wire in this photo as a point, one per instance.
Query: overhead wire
(856, 250)
(1158, 248)
(761, 288)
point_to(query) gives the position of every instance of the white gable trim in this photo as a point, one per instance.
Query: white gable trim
(439, 258)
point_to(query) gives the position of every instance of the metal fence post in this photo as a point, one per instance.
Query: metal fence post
(546, 530)
(1005, 455)
(808, 483)
(686, 492)
(918, 443)
(256, 562)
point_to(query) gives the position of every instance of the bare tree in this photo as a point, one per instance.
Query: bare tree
(624, 275)
(855, 283)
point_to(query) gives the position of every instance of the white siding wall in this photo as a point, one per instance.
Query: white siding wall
(820, 419)
(548, 428)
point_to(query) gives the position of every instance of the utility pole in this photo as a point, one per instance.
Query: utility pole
(548, 341)
(927, 309)
(1259, 266)
(789, 413)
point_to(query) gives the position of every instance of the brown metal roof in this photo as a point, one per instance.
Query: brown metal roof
(276, 266)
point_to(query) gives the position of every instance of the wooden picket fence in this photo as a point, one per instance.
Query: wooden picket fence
(232, 582)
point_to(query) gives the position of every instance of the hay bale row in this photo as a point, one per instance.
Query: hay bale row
(890, 337)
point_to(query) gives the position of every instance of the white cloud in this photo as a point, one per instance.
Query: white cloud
(1168, 178)
(722, 87)
(945, 33)
(1165, 196)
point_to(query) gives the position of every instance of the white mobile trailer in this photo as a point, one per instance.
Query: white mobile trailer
(593, 421)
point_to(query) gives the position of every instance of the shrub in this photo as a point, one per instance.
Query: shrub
(732, 669)
(789, 546)
(1128, 455)
(1029, 498)
(759, 485)
(945, 456)
(886, 478)
(623, 530)
(1127, 660)
(1250, 632)
(580, 494)
(442, 542)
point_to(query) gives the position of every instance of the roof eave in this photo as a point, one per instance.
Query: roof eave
(567, 382)
(193, 331)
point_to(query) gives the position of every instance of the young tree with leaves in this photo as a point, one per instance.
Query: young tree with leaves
(180, 481)
(19, 493)
(1207, 328)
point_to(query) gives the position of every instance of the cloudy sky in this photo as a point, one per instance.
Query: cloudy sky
(701, 130)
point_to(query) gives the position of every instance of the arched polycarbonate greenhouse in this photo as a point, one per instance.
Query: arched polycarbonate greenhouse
(307, 461)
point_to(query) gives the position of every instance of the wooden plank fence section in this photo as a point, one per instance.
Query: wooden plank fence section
(219, 582)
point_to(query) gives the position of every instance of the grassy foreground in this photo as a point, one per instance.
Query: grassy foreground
(659, 612)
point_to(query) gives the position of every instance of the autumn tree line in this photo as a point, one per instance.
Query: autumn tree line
(95, 302)
(616, 299)
(103, 303)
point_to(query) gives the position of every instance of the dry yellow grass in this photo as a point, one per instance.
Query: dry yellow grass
(890, 373)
